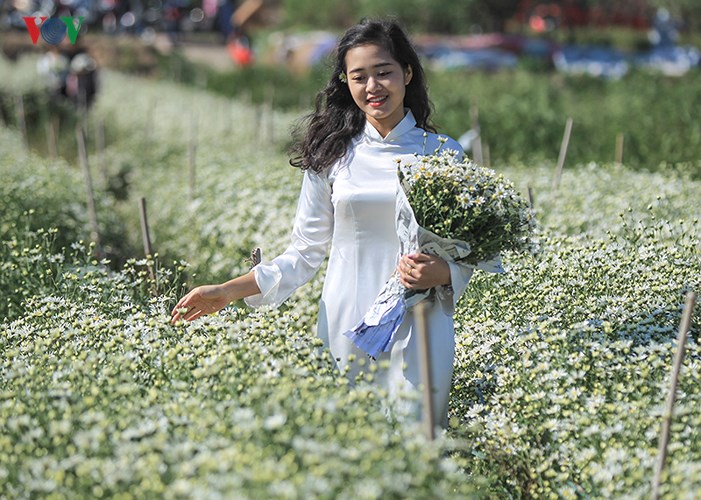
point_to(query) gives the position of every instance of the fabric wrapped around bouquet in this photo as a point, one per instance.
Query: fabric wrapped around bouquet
(375, 332)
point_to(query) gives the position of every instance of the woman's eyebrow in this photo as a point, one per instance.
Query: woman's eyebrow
(378, 65)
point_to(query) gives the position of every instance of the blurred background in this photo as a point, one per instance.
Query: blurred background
(508, 71)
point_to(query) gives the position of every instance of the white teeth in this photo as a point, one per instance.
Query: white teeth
(376, 99)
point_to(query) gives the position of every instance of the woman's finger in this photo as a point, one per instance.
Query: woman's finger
(181, 308)
(194, 314)
(410, 277)
(420, 257)
(408, 264)
(183, 301)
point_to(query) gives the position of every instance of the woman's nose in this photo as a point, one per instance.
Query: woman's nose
(372, 84)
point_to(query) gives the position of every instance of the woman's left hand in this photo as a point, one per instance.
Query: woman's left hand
(423, 271)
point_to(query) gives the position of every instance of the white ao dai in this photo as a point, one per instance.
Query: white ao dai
(352, 206)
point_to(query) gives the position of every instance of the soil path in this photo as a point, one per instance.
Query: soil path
(214, 55)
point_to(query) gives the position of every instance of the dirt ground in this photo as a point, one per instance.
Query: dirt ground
(215, 56)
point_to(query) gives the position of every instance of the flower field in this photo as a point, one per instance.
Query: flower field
(562, 366)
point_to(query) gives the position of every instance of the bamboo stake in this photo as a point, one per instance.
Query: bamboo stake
(428, 413)
(269, 101)
(477, 141)
(83, 109)
(229, 121)
(563, 153)
(148, 125)
(684, 328)
(21, 118)
(46, 118)
(530, 196)
(619, 148)
(51, 140)
(250, 110)
(175, 68)
(259, 121)
(56, 125)
(92, 212)
(192, 155)
(145, 232)
(100, 146)
(146, 237)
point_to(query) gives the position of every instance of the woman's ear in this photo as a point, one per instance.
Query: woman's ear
(408, 73)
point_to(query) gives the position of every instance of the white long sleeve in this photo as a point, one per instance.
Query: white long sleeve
(311, 234)
(448, 296)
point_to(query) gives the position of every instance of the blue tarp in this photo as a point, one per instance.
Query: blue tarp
(670, 60)
(495, 51)
(594, 61)
(609, 63)
(489, 59)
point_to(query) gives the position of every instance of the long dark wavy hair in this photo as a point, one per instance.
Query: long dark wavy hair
(323, 137)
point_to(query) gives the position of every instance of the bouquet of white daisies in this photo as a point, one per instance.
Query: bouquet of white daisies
(457, 210)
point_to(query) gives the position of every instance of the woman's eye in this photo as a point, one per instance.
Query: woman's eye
(384, 73)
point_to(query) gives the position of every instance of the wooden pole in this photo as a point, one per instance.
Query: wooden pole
(83, 109)
(684, 328)
(145, 232)
(146, 237)
(485, 155)
(21, 118)
(148, 125)
(259, 121)
(175, 68)
(100, 146)
(563, 153)
(269, 106)
(51, 140)
(229, 121)
(477, 141)
(530, 196)
(192, 155)
(92, 212)
(619, 148)
(56, 125)
(251, 111)
(428, 413)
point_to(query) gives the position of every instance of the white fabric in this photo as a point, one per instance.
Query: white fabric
(352, 206)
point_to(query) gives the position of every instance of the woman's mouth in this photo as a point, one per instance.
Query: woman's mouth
(376, 102)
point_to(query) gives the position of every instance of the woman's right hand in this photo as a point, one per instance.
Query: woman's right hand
(206, 299)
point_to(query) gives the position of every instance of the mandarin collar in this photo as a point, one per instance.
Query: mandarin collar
(407, 124)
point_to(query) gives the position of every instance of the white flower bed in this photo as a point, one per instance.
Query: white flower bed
(562, 363)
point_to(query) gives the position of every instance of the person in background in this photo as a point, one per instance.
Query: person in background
(81, 81)
(223, 19)
(53, 70)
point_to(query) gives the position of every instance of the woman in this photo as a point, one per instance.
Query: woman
(374, 110)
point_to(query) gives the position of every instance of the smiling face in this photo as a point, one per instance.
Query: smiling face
(377, 83)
